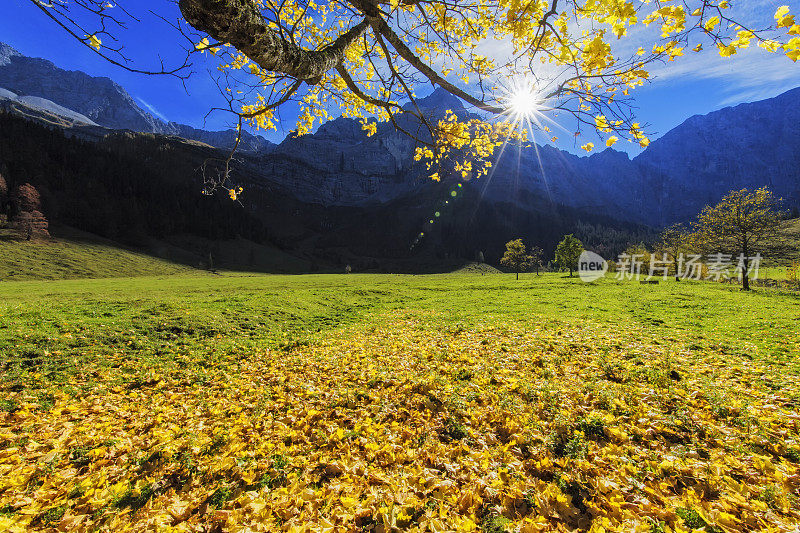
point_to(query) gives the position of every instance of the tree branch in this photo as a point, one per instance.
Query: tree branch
(240, 23)
(381, 27)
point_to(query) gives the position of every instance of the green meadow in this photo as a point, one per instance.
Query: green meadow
(150, 317)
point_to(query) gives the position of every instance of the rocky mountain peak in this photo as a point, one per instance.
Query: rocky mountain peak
(440, 100)
(99, 99)
(6, 53)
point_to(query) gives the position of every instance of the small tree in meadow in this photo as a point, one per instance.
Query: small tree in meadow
(516, 257)
(638, 259)
(536, 254)
(568, 252)
(675, 240)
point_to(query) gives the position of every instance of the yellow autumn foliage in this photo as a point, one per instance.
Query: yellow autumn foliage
(401, 425)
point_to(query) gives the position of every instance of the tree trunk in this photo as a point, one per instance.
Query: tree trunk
(745, 270)
(745, 277)
(517, 274)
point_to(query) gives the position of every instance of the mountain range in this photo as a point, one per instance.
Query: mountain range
(340, 167)
(100, 100)
(695, 164)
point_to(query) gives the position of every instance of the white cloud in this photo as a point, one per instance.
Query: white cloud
(752, 74)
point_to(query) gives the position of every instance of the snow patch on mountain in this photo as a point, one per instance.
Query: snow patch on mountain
(43, 104)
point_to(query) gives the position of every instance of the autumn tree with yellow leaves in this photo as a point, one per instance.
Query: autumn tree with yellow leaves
(742, 224)
(579, 59)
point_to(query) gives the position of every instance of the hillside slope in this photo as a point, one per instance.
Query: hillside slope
(76, 255)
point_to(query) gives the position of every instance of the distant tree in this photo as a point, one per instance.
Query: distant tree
(567, 253)
(516, 257)
(26, 198)
(30, 223)
(536, 254)
(744, 223)
(635, 259)
(27, 217)
(3, 200)
(675, 240)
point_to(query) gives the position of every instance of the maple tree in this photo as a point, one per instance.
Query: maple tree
(26, 198)
(744, 223)
(30, 223)
(26, 211)
(536, 254)
(365, 58)
(675, 241)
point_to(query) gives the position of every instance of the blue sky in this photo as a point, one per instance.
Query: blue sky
(697, 84)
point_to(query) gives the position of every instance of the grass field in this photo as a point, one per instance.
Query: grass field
(461, 402)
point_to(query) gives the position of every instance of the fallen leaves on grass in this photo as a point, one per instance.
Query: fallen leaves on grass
(405, 425)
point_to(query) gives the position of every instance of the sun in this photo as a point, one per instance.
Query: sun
(523, 103)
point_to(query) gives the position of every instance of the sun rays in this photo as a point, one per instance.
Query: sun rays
(523, 101)
(526, 109)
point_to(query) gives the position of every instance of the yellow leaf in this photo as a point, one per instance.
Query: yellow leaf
(94, 41)
(711, 23)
